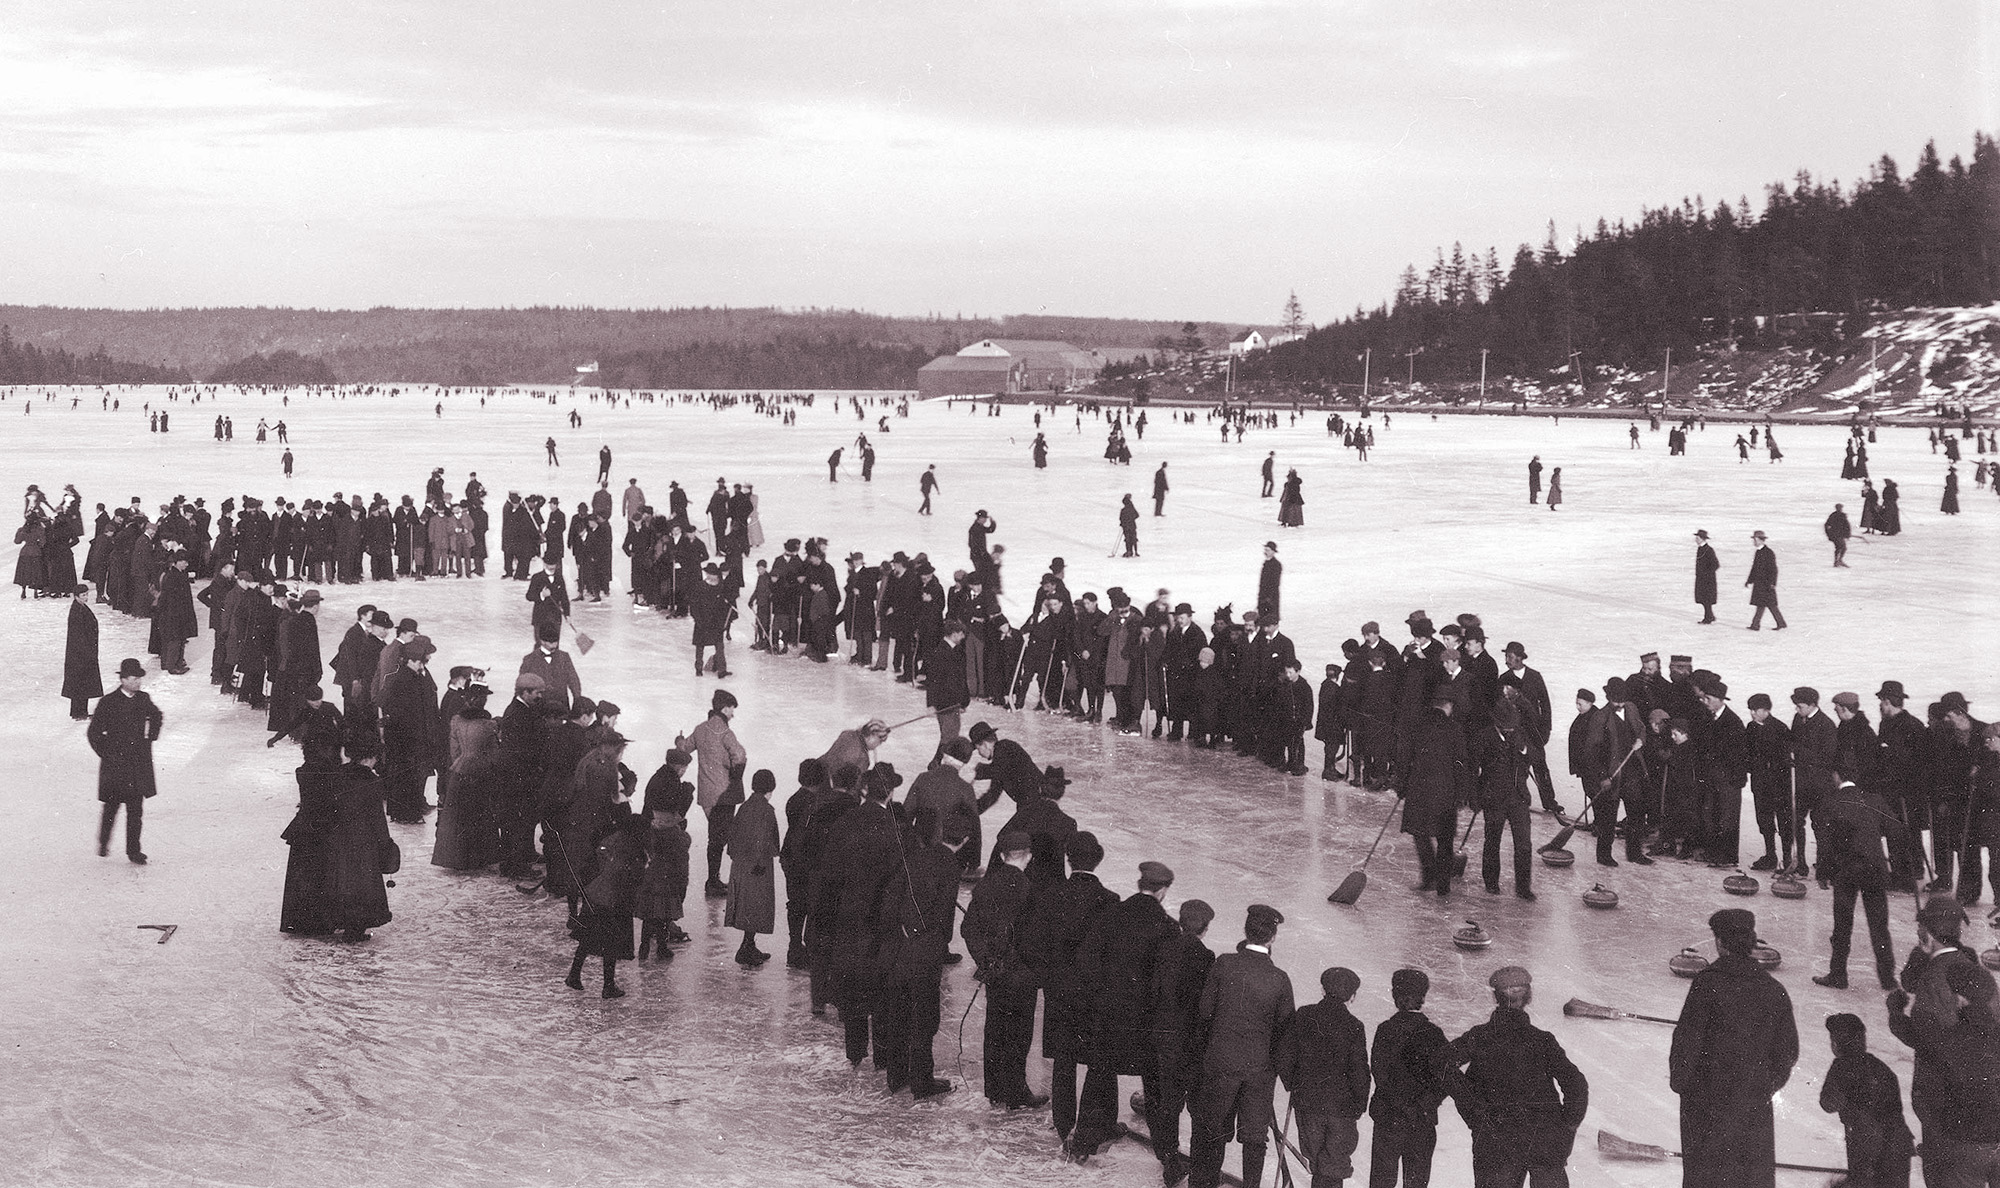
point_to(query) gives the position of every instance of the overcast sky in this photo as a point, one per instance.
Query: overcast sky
(1107, 157)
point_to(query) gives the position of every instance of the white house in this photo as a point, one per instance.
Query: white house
(1253, 341)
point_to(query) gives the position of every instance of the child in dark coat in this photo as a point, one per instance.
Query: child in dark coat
(1865, 1093)
(1407, 1089)
(663, 889)
(1323, 1059)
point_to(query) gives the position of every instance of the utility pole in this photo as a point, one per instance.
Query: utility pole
(1411, 381)
(1367, 356)
(1482, 377)
(1667, 378)
(1872, 373)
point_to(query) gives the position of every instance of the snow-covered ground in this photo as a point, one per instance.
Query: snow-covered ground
(446, 1050)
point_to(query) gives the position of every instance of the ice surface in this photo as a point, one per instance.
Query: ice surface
(446, 1050)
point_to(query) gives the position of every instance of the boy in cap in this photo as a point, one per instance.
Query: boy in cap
(1519, 1093)
(1869, 1099)
(1407, 1088)
(1767, 751)
(718, 780)
(1732, 1051)
(1323, 1060)
(1247, 1005)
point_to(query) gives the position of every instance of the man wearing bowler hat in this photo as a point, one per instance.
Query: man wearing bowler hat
(1763, 584)
(1732, 1051)
(1904, 776)
(122, 731)
(1706, 566)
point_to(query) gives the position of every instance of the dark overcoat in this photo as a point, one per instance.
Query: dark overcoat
(122, 730)
(1705, 566)
(1733, 1049)
(81, 675)
(1516, 1088)
(1052, 928)
(1117, 960)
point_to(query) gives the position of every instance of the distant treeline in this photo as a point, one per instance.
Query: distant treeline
(279, 367)
(26, 363)
(1683, 275)
(547, 344)
(783, 362)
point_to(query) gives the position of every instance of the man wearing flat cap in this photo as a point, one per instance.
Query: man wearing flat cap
(1732, 1051)
(1517, 1090)
(1815, 743)
(1116, 962)
(1247, 1005)
(1939, 958)
(1323, 1061)
(1958, 1054)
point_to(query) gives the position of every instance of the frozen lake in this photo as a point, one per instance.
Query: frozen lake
(446, 1050)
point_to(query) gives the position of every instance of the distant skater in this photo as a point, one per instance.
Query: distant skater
(1160, 490)
(1535, 479)
(1705, 566)
(1555, 487)
(1838, 530)
(287, 460)
(1128, 526)
(928, 484)
(833, 465)
(604, 463)
(1270, 465)
(550, 446)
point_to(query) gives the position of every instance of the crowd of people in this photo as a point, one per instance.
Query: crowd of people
(541, 792)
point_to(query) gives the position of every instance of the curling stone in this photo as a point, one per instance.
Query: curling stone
(1558, 858)
(1990, 958)
(1472, 936)
(1766, 957)
(1600, 896)
(1786, 886)
(1740, 884)
(1687, 963)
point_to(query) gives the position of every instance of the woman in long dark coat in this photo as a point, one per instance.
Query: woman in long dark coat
(359, 850)
(1292, 503)
(31, 536)
(602, 927)
(82, 678)
(753, 854)
(1949, 505)
(310, 834)
(468, 832)
(1891, 523)
(98, 558)
(1871, 507)
(58, 562)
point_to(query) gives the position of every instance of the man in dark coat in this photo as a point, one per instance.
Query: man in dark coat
(122, 732)
(925, 899)
(1519, 1093)
(1721, 768)
(255, 634)
(1269, 578)
(1537, 715)
(215, 596)
(1838, 530)
(1408, 1089)
(944, 684)
(297, 666)
(83, 680)
(1178, 1038)
(711, 606)
(1006, 767)
(412, 743)
(1957, 1048)
(1853, 826)
(523, 740)
(1904, 775)
(548, 595)
(989, 930)
(1436, 777)
(1246, 1006)
(1116, 963)
(1048, 827)
(1323, 1060)
(1181, 661)
(1733, 1050)
(1052, 926)
(1815, 744)
(1160, 490)
(174, 618)
(852, 903)
(1618, 772)
(1763, 585)
(1706, 565)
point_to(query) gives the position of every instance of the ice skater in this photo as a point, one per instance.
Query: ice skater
(1128, 525)
(928, 484)
(1763, 584)
(1838, 530)
(550, 446)
(1706, 565)
(1535, 479)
